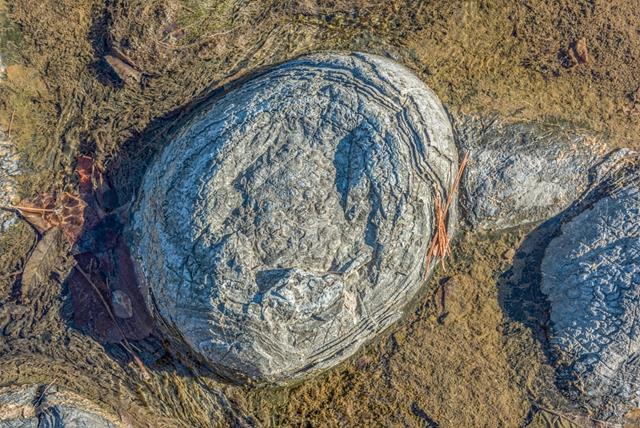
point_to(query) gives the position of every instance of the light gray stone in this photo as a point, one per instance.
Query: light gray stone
(590, 273)
(121, 304)
(524, 172)
(287, 223)
(34, 406)
(63, 416)
(16, 407)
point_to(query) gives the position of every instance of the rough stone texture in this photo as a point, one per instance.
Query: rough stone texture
(37, 407)
(591, 276)
(8, 171)
(288, 222)
(3, 70)
(522, 173)
(16, 407)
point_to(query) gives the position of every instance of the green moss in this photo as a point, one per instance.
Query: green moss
(10, 37)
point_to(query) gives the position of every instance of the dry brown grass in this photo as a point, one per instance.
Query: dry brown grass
(440, 243)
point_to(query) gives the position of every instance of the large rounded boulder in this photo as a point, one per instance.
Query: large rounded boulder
(288, 222)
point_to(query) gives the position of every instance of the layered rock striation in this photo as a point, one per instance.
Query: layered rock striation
(288, 222)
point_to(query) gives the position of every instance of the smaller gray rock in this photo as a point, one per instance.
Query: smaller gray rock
(34, 406)
(590, 275)
(16, 407)
(121, 303)
(522, 173)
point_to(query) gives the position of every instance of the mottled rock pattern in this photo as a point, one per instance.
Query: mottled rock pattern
(522, 173)
(3, 70)
(37, 407)
(591, 276)
(16, 407)
(287, 223)
(8, 171)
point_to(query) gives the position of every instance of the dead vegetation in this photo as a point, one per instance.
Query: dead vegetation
(47, 211)
(64, 96)
(440, 243)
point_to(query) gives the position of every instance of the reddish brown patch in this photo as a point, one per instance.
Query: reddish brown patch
(578, 53)
(90, 312)
(86, 174)
(581, 51)
(65, 211)
(91, 288)
(92, 225)
(105, 265)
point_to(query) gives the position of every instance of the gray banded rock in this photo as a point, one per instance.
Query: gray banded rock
(34, 406)
(524, 172)
(590, 274)
(288, 222)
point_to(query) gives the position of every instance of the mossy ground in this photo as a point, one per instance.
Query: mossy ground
(473, 367)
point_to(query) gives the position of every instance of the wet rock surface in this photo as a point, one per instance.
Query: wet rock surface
(41, 407)
(590, 274)
(288, 222)
(524, 172)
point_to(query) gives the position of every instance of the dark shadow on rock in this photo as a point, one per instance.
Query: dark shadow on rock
(519, 293)
(522, 300)
(349, 162)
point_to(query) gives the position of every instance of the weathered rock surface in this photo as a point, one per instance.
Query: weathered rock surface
(288, 222)
(522, 173)
(3, 70)
(8, 171)
(38, 407)
(590, 274)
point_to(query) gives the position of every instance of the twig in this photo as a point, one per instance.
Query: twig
(44, 391)
(456, 183)
(11, 275)
(31, 210)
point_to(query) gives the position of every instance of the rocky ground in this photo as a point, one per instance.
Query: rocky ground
(111, 79)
